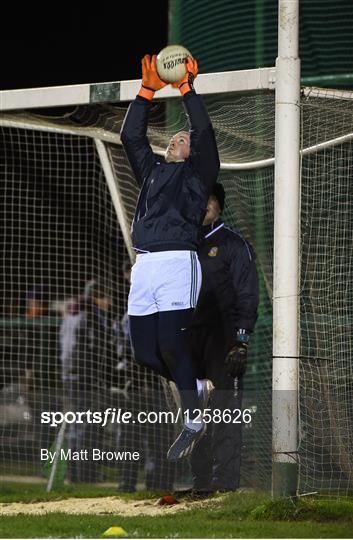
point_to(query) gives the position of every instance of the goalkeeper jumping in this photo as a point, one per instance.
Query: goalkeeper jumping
(166, 278)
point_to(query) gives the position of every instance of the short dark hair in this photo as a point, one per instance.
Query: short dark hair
(96, 289)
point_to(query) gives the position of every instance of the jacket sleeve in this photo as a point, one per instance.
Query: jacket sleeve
(245, 282)
(134, 138)
(203, 148)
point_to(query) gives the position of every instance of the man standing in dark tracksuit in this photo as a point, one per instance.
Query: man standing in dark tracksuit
(224, 319)
(166, 277)
(87, 354)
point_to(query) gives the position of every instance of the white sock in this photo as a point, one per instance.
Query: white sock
(196, 426)
(204, 385)
(201, 387)
(201, 384)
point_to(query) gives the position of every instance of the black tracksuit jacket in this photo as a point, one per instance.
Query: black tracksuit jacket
(229, 294)
(173, 197)
(228, 301)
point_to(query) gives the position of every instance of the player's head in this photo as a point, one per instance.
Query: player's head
(215, 204)
(178, 148)
(96, 293)
(37, 301)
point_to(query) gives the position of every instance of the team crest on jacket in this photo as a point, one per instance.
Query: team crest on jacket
(213, 251)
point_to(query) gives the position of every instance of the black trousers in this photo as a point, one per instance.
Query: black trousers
(151, 440)
(81, 396)
(159, 342)
(215, 461)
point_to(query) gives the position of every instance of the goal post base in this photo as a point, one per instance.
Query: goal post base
(284, 479)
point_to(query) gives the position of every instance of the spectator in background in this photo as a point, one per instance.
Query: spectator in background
(143, 391)
(223, 322)
(37, 302)
(88, 351)
(39, 359)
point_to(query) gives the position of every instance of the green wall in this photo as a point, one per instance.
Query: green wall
(229, 35)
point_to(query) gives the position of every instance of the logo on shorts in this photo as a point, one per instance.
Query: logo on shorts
(213, 251)
(177, 303)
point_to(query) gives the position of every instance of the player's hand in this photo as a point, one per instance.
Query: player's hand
(151, 82)
(236, 360)
(187, 82)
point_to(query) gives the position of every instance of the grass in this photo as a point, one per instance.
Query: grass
(304, 509)
(238, 515)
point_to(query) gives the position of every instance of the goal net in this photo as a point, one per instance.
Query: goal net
(326, 296)
(67, 250)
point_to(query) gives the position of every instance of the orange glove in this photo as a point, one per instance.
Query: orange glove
(187, 82)
(151, 81)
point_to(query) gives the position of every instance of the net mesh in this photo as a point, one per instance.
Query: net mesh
(63, 325)
(53, 184)
(326, 369)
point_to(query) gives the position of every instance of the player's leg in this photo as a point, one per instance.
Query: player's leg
(159, 437)
(144, 333)
(173, 328)
(76, 432)
(143, 317)
(177, 288)
(168, 282)
(130, 437)
(226, 438)
(130, 440)
(201, 459)
(172, 335)
(177, 283)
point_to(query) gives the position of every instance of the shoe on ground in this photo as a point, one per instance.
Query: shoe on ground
(183, 492)
(202, 493)
(185, 443)
(196, 493)
(223, 490)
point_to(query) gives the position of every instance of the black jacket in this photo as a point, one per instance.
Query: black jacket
(229, 292)
(173, 196)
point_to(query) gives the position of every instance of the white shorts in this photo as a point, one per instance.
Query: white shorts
(164, 281)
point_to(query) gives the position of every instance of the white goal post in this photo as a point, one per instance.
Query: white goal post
(286, 263)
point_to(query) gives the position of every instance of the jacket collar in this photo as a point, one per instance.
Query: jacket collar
(209, 230)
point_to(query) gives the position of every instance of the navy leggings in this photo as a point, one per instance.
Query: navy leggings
(159, 342)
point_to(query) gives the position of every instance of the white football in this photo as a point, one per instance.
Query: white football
(170, 63)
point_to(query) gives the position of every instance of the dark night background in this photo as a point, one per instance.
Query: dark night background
(49, 47)
(83, 44)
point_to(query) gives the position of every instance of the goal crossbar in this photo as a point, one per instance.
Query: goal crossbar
(114, 92)
(100, 134)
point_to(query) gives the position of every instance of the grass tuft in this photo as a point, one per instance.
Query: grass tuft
(300, 509)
